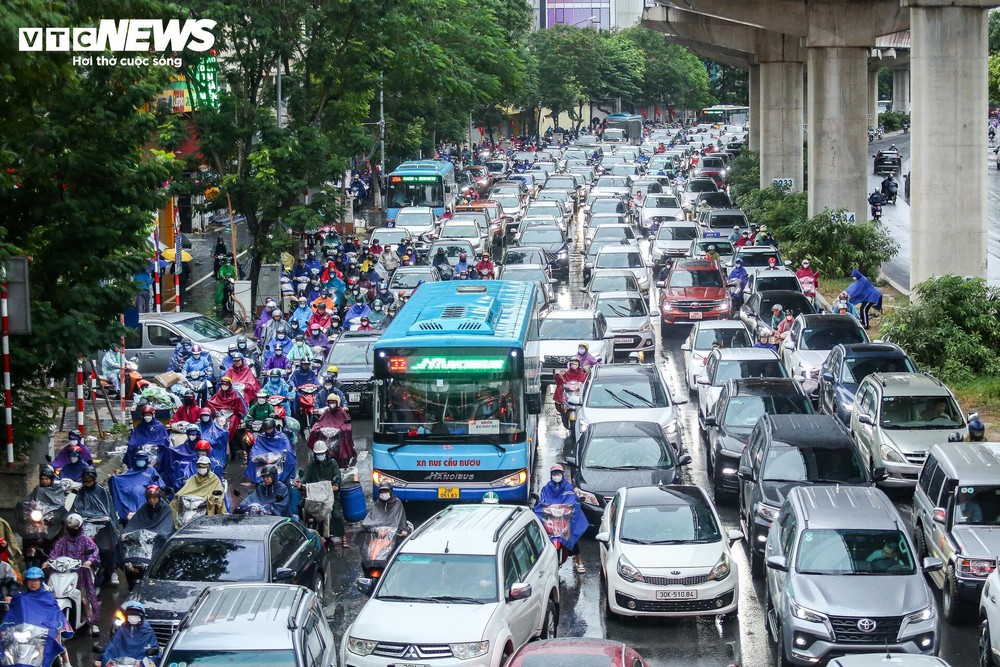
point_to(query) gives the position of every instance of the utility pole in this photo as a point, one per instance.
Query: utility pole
(279, 91)
(381, 126)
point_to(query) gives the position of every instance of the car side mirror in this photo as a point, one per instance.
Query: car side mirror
(365, 586)
(534, 404)
(703, 380)
(779, 563)
(734, 536)
(789, 345)
(685, 346)
(284, 573)
(519, 592)
(570, 460)
(931, 564)
(939, 515)
(827, 376)
(661, 283)
(866, 419)
(880, 474)
(745, 473)
(788, 262)
(684, 460)
(603, 538)
(710, 420)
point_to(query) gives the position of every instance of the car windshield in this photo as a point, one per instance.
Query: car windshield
(560, 183)
(704, 185)
(460, 231)
(662, 202)
(728, 337)
(786, 282)
(201, 329)
(570, 329)
(633, 452)
(720, 246)
(797, 302)
(527, 274)
(920, 412)
(514, 256)
(715, 199)
(666, 524)
(496, 167)
(223, 658)
(612, 182)
(390, 236)
(751, 259)
(607, 206)
(676, 233)
(451, 249)
(210, 560)
(408, 279)
(731, 369)
(976, 505)
(633, 392)
(614, 233)
(531, 236)
(708, 278)
(414, 219)
(856, 369)
(826, 337)
(854, 551)
(610, 283)
(444, 578)
(619, 260)
(539, 208)
(509, 204)
(742, 412)
(724, 220)
(813, 464)
(350, 353)
(624, 170)
(604, 219)
(623, 307)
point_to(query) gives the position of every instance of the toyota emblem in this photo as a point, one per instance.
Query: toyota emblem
(867, 625)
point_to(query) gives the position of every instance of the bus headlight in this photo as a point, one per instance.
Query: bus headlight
(515, 479)
(379, 477)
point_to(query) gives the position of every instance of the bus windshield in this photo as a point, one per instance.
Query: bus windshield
(427, 192)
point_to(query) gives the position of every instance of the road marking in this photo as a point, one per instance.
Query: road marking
(209, 275)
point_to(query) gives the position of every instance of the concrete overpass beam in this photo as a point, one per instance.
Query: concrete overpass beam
(949, 232)
(781, 116)
(901, 90)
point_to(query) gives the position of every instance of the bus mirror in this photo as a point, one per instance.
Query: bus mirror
(534, 404)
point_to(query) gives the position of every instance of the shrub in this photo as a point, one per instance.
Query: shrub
(952, 328)
(893, 120)
(834, 246)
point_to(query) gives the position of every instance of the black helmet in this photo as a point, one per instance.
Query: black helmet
(153, 491)
(440, 251)
(241, 341)
(270, 470)
(89, 471)
(276, 372)
(269, 424)
(47, 471)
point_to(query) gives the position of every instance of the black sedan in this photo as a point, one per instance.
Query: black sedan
(554, 244)
(610, 455)
(225, 548)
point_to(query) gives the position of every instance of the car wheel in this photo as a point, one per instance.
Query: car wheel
(551, 621)
(780, 657)
(951, 605)
(756, 562)
(505, 658)
(985, 645)
(920, 541)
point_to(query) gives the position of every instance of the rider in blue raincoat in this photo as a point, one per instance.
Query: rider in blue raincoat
(217, 437)
(560, 491)
(271, 440)
(128, 490)
(148, 431)
(133, 638)
(38, 606)
(271, 496)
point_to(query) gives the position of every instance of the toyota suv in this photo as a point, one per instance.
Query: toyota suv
(897, 417)
(470, 586)
(956, 514)
(695, 289)
(843, 577)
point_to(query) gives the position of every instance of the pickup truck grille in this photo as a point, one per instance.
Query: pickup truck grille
(846, 631)
(693, 306)
(163, 630)
(412, 651)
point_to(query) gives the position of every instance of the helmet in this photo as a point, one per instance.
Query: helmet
(332, 370)
(237, 356)
(232, 350)
(320, 447)
(192, 428)
(276, 372)
(556, 467)
(332, 398)
(148, 410)
(186, 342)
(304, 361)
(203, 446)
(299, 338)
(262, 393)
(89, 471)
(188, 393)
(270, 470)
(486, 255)
(75, 435)
(269, 424)
(203, 462)
(73, 520)
(976, 427)
(153, 491)
(135, 608)
(276, 313)
(440, 251)
(34, 573)
(196, 350)
(584, 346)
(314, 328)
(463, 255)
(47, 471)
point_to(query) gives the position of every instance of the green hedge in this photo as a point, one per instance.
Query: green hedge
(893, 120)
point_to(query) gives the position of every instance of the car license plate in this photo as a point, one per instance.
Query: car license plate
(448, 493)
(676, 595)
(696, 315)
(354, 397)
(623, 341)
(408, 664)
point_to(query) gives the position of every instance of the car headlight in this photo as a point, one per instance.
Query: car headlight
(806, 614)
(728, 446)
(361, 646)
(766, 511)
(588, 498)
(721, 569)
(670, 428)
(809, 371)
(976, 567)
(720, 304)
(890, 455)
(468, 650)
(925, 614)
(646, 328)
(515, 479)
(627, 571)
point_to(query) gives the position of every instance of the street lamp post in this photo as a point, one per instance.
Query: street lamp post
(592, 19)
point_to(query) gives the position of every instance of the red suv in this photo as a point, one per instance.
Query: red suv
(695, 289)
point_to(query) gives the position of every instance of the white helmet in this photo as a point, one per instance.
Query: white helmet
(320, 447)
(74, 520)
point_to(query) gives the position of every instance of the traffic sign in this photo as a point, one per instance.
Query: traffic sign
(784, 183)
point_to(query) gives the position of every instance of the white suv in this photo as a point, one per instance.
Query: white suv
(468, 588)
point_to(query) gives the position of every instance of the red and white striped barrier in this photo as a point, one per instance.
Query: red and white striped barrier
(79, 397)
(8, 401)
(156, 269)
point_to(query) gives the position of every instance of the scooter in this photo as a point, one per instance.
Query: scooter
(890, 196)
(191, 508)
(557, 521)
(276, 459)
(307, 404)
(572, 400)
(24, 644)
(876, 212)
(201, 385)
(124, 661)
(138, 547)
(377, 546)
(64, 582)
(871, 134)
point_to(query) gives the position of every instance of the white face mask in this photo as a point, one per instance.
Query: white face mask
(321, 457)
(261, 401)
(147, 418)
(557, 478)
(384, 496)
(73, 458)
(202, 471)
(581, 350)
(206, 419)
(192, 437)
(133, 620)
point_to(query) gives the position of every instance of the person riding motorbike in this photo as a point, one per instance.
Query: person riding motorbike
(889, 188)
(111, 368)
(321, 317)
(330, 386)
(154, 515)
(377, 316)
(463, 263)
(241, 373)
(324, 468)
(560, 491)
(227, 398)
(440, 259)
(281, 339)
(317, 338)
(389, 259)
(365, 324)
(181, 353)
(270, 330)
(585, 357)
(359, 309)
(270, 440)
(48, 498)
(74, 439)
(786, 324)
(217, 437)
(188, 410)
(574, 373)
(387, 510)
(336, 417)
(128, 488)
(485, 267)
(133, 639)
(74, 465)
(302, 313)
(808, 278)
(74, 544)
(201, 362)
(37, 605)
(93, 503)
(204, 484)
(270, 494)
(261, 409)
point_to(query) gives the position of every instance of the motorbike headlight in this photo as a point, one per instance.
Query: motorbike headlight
(361, 646)
(563, 254)
(890, 455)
(469, 650)
(36, 515)
(806, 614)
(119, 618)
(515, 479)
(721, 569)
(925, 614)
(627, 571)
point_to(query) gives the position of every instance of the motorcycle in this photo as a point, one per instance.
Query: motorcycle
(906, 128)
(307, 404)
(889, 195)
(276, 459)
(288, 426)
(871, 134)
(875, 199)
(24, 644)
(572, 399)
(377, 546)
(127, 661)
(38, 524)
(64, 582)
(201, 384)
(138, 547)
(134, 382)
(557, 521)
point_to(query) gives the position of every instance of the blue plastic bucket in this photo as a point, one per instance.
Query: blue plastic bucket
(353, 499)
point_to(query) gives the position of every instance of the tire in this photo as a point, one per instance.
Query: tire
(920, 541)
(550, 623)
(780, 657)
(505, 658)
(756, 562)
(951, 605)
(985, 645)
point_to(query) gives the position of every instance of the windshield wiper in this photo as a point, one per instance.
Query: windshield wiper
(618, 398)
(632, 540)
(634, 467)
(632, 393)
(455, 598)
(620, 312)
(405, 598)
